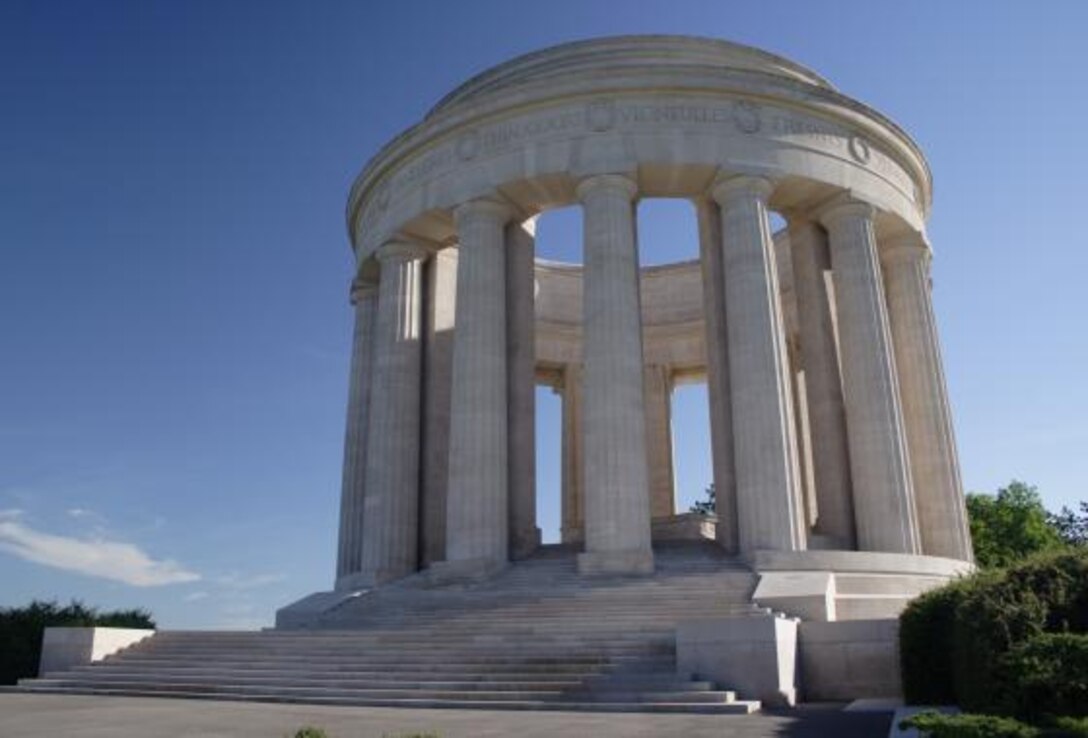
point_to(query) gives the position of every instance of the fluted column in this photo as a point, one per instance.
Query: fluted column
(391, 507)
(364, 296)
(521, 391)
(658, 394)
(765, 455)
(573, 506)
(477, 516)
(811, 260)
(440, 293)
(942, 517)
(717, 373)
(617, 510)
(880, 471)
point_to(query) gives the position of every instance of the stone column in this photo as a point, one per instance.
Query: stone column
(717, 373)
(811, 259)
(942, 516)
(617, 510)
(477, 516)
(439, 299)
(364, 296)
(658, 397)
(883, 496)
(765, 455)
(573, 507)
(521, 392)
(390, 520)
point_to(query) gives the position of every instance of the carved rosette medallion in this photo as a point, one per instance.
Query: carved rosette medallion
(746, 116)
(601, 115)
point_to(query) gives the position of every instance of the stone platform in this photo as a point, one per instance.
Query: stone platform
(537, 636)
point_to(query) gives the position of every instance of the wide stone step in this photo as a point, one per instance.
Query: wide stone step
(326, 677)
(738, 707)
(302, 691)
(408, 671)
(394, 662)
(394, 652)
(290, 681)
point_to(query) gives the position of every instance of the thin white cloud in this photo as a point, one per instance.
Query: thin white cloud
(238, 581)
(195, 597)
(11, 513)
(97, 557)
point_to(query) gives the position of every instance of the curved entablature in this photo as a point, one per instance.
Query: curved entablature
(621, 52)
(673, 113)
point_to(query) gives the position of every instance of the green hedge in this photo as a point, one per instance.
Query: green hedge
(1047, 675)
(21, 631)
(955, 641)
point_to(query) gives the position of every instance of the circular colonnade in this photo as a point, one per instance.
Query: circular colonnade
(830, 424)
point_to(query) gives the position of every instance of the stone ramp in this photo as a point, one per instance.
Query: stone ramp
(538, 636)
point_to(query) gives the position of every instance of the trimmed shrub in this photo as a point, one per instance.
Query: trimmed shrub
(936, 725)
(1046, 593)
(925, 645)
(954, 640)
(1047, 675)
(21, 631)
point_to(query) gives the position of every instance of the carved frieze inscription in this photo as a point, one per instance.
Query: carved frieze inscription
(730, 117)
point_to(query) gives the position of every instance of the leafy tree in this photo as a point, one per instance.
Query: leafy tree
(1071, 526)
(707, 506)
(1010, 525)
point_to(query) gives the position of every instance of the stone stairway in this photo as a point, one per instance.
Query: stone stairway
(537, 636)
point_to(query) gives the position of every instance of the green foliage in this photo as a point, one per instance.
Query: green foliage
(936, 725)
(709, 505)
(1010, 526)
(1070, 727)
(309, 731)
(1047, 675)
(21, 631)
(1071, 526)
(926, 643)
(955, 641)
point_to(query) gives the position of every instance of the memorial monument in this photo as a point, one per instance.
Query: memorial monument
(838, 488)
(830, 418)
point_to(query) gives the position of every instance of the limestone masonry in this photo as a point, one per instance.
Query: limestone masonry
(838, 488)
(830, 418)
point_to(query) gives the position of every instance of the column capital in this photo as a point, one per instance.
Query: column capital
(618, 183)
(846, 207)
(401, 250)
(909, 247)
(743, 185)
(486, 208)
(362, 289)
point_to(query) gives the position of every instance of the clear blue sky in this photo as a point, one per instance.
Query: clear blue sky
(174, 266)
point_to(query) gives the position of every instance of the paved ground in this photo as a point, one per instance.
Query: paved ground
(74, 716)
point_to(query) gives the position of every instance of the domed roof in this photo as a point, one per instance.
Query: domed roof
(617, 53)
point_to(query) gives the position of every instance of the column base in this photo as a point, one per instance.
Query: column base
(632, 561)
(352, 582)
(464, 570)
(369, 579)
(525, 543)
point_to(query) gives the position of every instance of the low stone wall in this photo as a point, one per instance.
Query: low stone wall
(756, 656)
(850, 659)
(63, 648)
(778, 660)
(847, 585)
